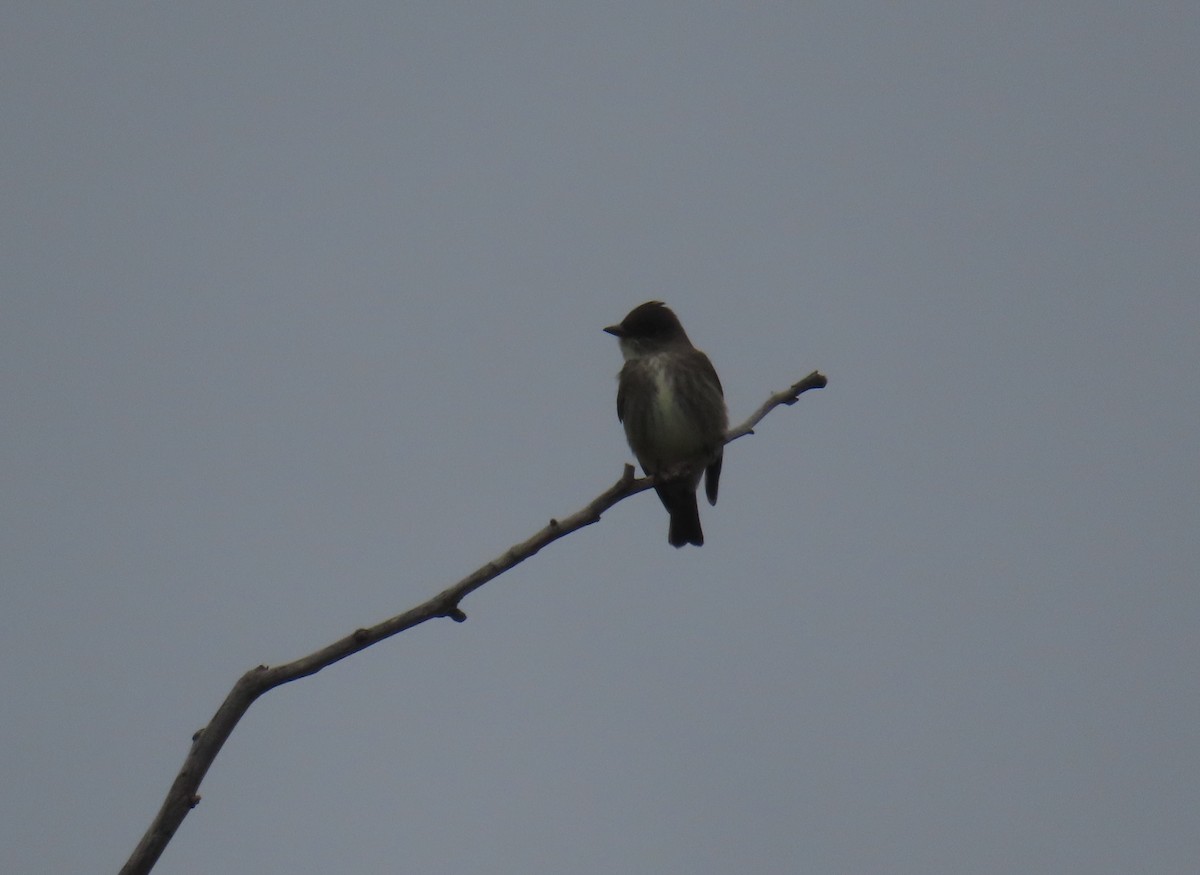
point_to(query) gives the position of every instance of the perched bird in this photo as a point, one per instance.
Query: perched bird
(670, 401)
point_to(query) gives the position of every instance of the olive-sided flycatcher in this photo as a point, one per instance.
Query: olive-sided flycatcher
(671, 403)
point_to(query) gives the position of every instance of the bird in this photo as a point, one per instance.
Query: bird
(670, 401)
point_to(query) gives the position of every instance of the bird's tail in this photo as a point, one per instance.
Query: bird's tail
(679, 499)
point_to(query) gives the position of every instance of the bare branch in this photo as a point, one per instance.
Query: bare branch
(207, 742)
(789, 396)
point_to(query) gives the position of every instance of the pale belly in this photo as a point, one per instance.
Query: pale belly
(678, 433)
(678, 437)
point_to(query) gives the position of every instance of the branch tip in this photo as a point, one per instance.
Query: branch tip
(456, 614)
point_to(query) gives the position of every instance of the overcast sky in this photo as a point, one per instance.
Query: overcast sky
(301, 322)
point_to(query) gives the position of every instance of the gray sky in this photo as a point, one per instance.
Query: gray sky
(301, 323)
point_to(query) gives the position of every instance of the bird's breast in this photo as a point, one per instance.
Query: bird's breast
(674, 435)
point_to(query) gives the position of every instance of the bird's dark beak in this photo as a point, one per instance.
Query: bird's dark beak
(615, 330)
